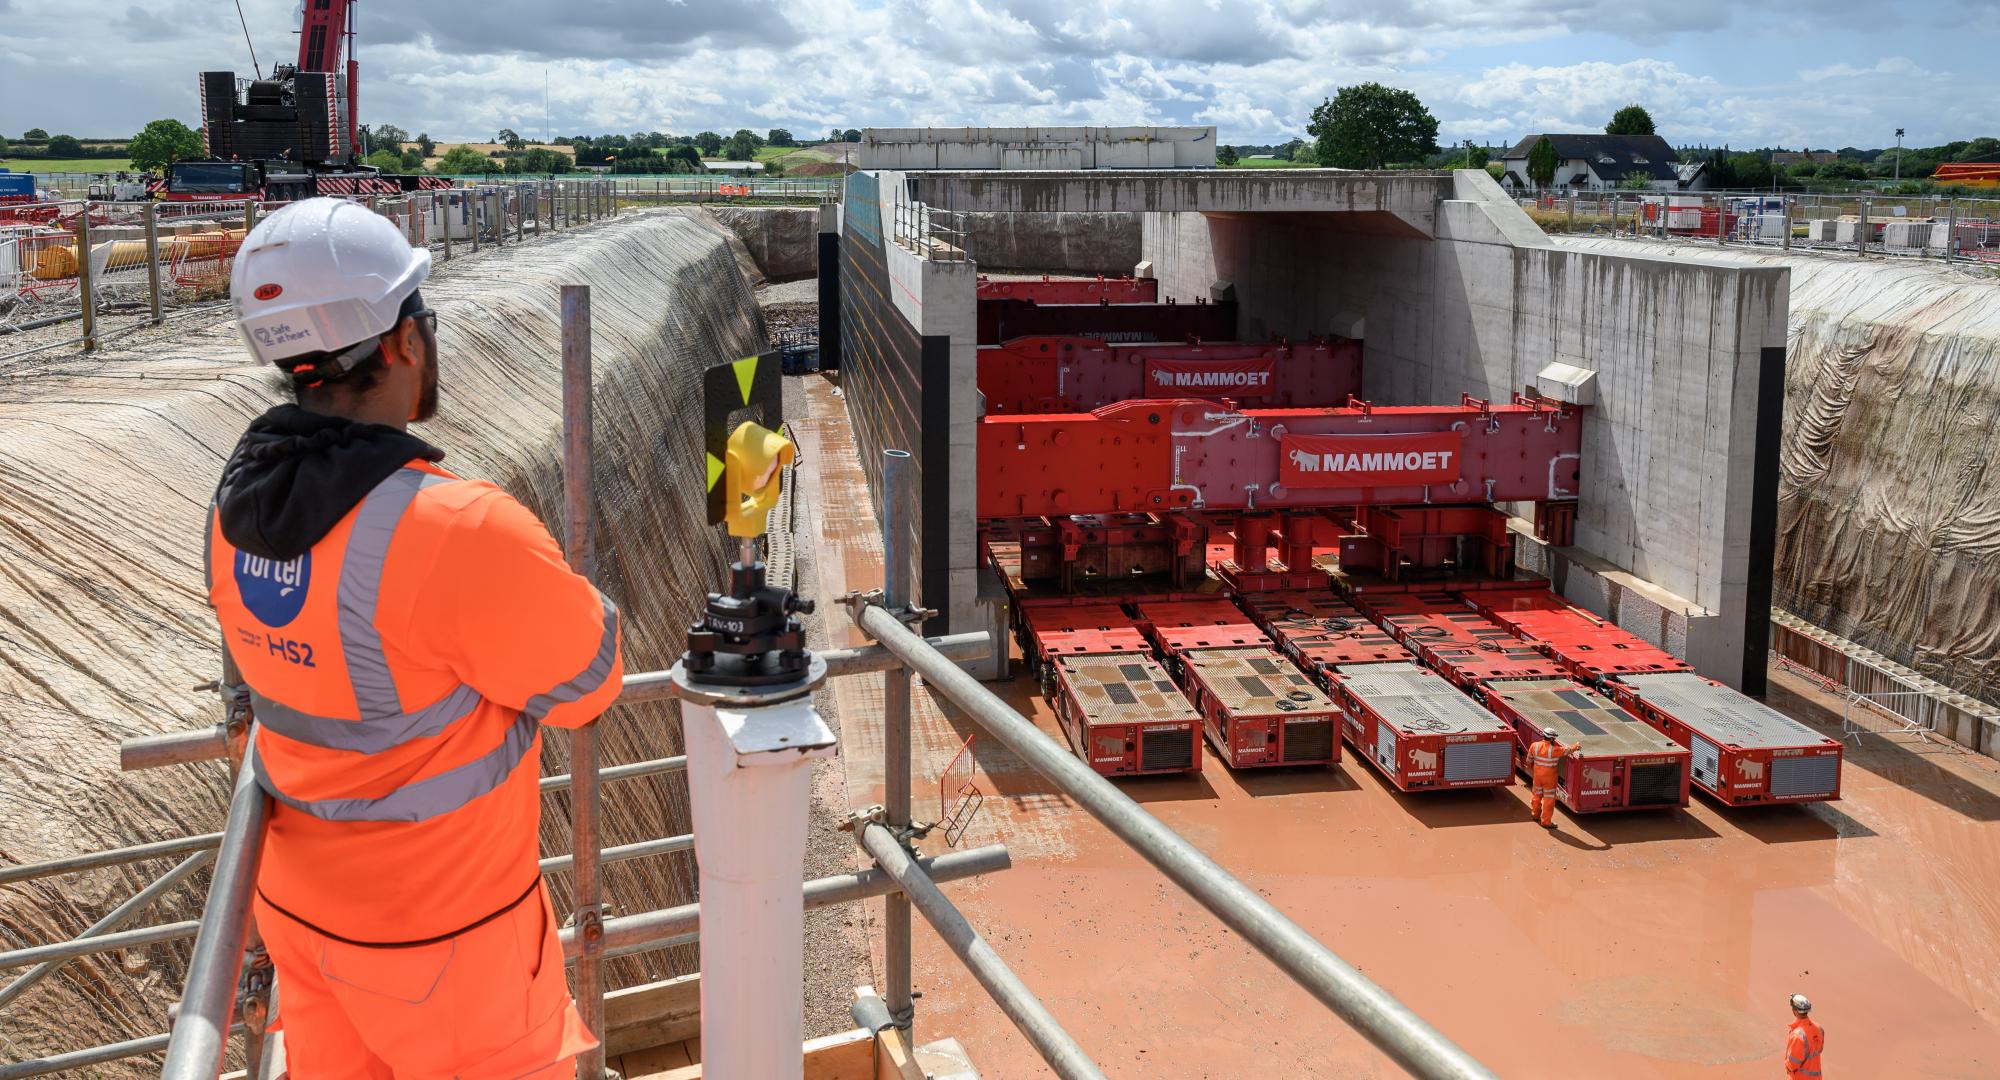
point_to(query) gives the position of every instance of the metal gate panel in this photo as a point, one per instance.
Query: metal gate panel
(1309, 741)
(1707, 763)
(1654, 785)
(1160, 750)
(1385, 746)
(1805, 775)
(1478, 761)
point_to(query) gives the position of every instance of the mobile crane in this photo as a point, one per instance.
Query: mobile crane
(293, 135)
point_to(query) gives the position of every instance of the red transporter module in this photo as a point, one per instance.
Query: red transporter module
(1124, 716)
(1179, 626)
(1056, 374)
(1619, 763)
(1590, 648)
(1456, 640)
(1420, 731)
(1744, 752)
(1259, 709)
(1052, 631)
(1321, 632)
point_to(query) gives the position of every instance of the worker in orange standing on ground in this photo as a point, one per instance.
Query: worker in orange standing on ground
(1543, 757)
(403, 634)
(1804, 1043)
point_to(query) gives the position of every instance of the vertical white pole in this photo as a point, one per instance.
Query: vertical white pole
(750, 780)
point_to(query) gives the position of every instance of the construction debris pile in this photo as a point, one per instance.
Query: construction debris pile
(109, 462)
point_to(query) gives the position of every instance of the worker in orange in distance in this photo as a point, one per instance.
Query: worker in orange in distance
(1804, 1043)
(404, 634)
(1543, 757)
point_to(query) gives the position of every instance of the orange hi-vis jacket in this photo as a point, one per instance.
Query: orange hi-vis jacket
(1803, 1048)
(1543, 758)
(398, 673)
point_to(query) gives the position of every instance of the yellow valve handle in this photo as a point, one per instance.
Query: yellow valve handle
(750, 472)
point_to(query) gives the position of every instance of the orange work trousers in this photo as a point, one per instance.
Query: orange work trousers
(489, 1002)
(1542, 798)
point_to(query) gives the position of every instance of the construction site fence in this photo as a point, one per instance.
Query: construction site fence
(1912, 226)
(1874, 688)
(150, 261)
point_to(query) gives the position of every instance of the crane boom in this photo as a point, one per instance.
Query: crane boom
(326, 36)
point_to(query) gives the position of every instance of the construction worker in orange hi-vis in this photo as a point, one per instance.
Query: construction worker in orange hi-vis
(1804, 1043)
(1543, 757)
(403, 634)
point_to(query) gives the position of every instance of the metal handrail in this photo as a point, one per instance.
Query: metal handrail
(1369, 1009)
(201, 1031)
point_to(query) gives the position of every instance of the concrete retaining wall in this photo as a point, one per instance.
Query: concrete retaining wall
(783, 240)
(1078, 243)
(1681, 350)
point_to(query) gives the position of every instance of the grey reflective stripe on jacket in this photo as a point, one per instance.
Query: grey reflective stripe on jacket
(591, 677)
(421, 800)
(384, 725)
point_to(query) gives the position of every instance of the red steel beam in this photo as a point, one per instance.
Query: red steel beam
(1050, 290)
(1192, 454)
(1056, 374)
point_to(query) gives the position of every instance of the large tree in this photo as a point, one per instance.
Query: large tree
(162, 143)
(779, 137)
(1630, 120)
(510, 139)
(851, 135)
(426, 144)
(1750, 171)
(1226, 156)
(709, 143)
(1542, 163)
(65, 146)
(742, 146)
(1370, 126)
(34, 135)
(462, 161)
(387, 137)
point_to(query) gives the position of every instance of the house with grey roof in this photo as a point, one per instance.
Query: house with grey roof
(1602, 163)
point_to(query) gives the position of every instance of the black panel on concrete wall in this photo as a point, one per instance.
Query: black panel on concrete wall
(829, 301)
(1004, 319)
(936, 453)
(1763, 519)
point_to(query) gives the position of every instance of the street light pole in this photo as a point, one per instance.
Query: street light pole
(1899, 155)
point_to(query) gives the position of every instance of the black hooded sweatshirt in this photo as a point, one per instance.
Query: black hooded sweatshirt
(295, 474)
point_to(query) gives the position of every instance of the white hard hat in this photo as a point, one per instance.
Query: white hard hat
(1800, 1004)
(319, 276)
(1549, 733)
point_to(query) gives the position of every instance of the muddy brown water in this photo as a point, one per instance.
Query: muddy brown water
(1638, 944)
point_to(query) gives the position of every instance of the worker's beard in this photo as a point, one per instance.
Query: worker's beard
(427, 397)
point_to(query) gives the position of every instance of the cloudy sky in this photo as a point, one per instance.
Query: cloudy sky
(1830, 73)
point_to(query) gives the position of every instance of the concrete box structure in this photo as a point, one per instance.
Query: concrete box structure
(1037, 148)
(1452, 290)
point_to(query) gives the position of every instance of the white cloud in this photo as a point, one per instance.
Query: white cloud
(462, 69)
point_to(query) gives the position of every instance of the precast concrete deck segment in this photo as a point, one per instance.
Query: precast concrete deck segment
(1399, 203)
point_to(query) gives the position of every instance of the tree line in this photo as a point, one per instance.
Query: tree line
(394, 149)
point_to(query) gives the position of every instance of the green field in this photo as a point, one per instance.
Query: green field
(795, 155)
(66, 165)
(1272, 163)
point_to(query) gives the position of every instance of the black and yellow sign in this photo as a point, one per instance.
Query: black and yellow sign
(748, 389)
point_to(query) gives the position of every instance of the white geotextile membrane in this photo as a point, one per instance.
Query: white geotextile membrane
(106, 467)
(1889, 495)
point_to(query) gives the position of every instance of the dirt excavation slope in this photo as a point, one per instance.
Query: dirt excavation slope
(108, 463)
(1889, 509)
